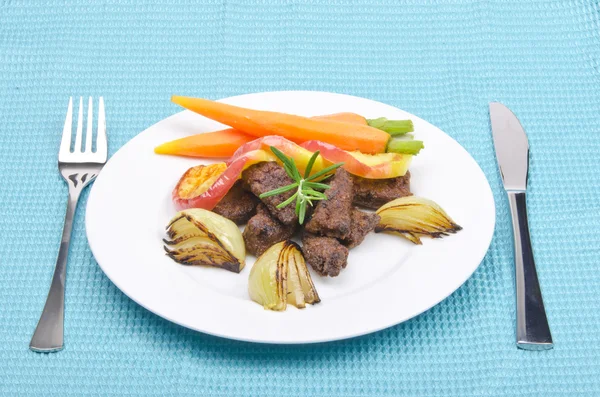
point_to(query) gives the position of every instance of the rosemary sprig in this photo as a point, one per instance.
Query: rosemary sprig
(307, 187)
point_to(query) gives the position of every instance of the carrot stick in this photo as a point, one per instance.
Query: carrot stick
(260, 123)
(225, 142)
(345, 117)
(211, 144)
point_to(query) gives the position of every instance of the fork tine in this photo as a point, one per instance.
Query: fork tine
(101, 144)
(65, 143)
(77, 148)
(88, 135)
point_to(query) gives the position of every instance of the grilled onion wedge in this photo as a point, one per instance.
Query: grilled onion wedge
(414, 217)
(306, 284)
(279, 276)
(200, 237)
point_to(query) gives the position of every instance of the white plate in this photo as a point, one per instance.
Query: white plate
(388, 280)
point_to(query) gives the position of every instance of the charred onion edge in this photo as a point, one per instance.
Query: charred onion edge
(305, 273)
(281, 273)
(231, 262)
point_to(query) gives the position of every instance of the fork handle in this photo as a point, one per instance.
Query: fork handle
(533, 331)
(48, 335)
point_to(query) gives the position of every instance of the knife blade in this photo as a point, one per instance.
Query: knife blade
(512, 147)
(512, 153)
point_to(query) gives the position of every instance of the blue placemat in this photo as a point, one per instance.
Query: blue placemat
(443, 61)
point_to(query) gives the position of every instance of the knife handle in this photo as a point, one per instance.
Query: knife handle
(533, 331)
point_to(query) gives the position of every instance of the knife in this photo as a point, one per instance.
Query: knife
(512, 153)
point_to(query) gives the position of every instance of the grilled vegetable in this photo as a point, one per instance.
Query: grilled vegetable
(414, 217)
(201, 237)
(267, 284)
(377, 166)
(211, 144)
(300, 155)
(279, 276)
(204, 186)
(196, 181)
(295, 294)
(306, 284)
(370, 166)
(225, 142)
(261, 123)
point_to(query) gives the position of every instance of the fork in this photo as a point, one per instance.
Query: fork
(78, 168)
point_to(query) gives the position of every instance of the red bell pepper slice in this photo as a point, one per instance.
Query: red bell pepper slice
(300, 155)
(371, 166)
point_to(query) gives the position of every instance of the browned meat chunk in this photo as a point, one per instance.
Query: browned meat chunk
(262, 231)
(325, 254)
(373, 193)
(238, 205)
(362, 224)
(332, 216)
(266, 176)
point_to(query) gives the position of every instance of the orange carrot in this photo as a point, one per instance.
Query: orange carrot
(211, 144)
(345, 117)
(225, 142)
(260, 123)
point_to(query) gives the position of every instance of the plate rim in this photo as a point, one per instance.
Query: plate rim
(366, 330)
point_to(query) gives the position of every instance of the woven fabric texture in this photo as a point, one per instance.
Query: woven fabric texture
(441, 60)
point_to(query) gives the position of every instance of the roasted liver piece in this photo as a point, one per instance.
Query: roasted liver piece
(373, 193)
(325, 254)
(263, 230)
(238, 205)
(332, 217)
(264, 177)
(362, 224)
